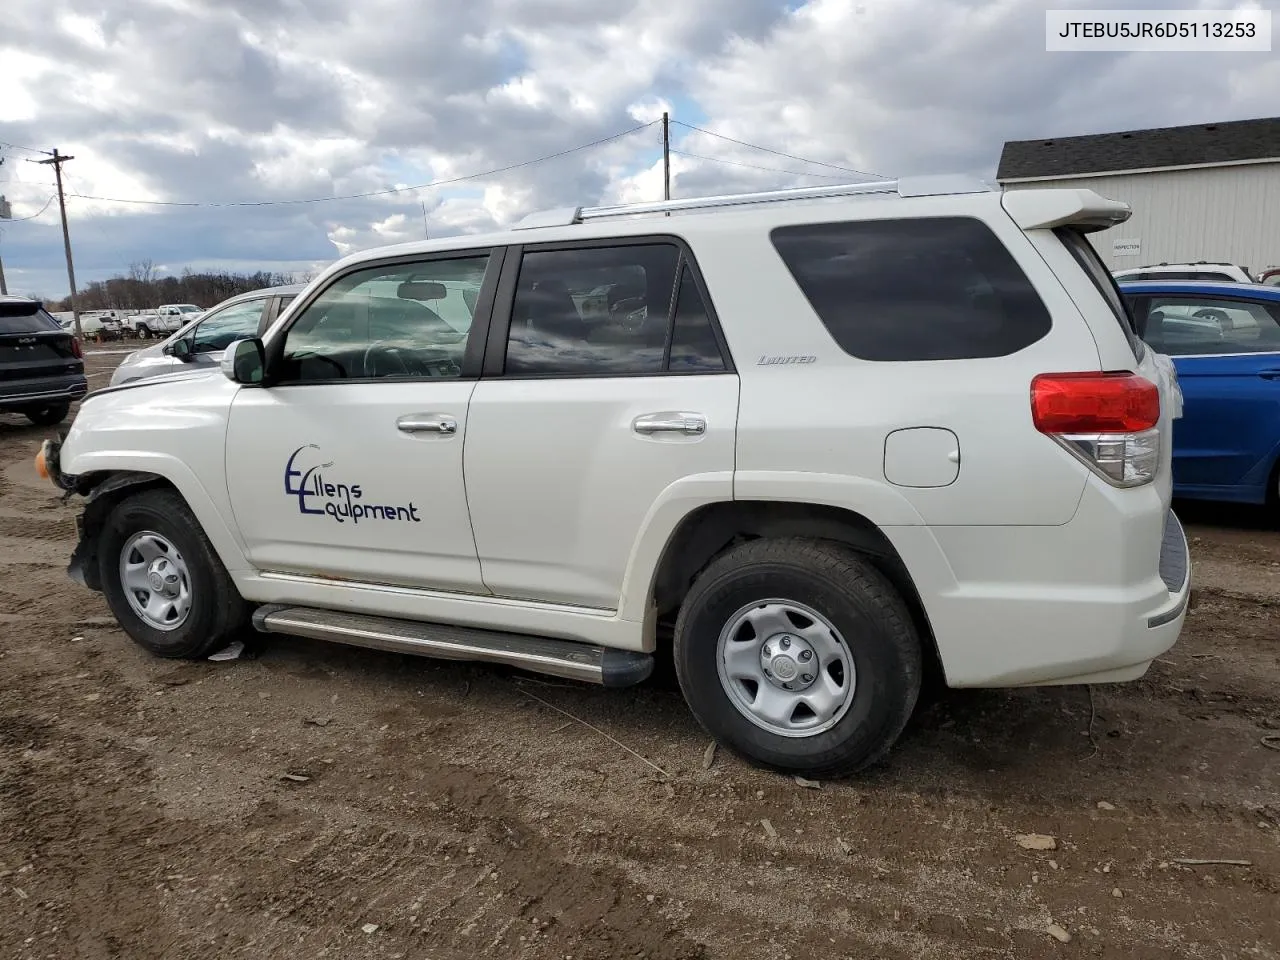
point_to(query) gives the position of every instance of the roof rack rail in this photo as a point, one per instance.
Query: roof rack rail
(910, 187)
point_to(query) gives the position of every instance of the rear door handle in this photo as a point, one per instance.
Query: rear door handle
(689, 424)
(1269, 374)
(427, 423)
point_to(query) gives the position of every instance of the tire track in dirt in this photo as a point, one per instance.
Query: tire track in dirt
(58, 528)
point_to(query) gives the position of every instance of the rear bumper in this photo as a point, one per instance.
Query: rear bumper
(1092, 601)
(37, 390)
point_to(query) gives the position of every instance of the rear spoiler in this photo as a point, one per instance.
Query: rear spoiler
(1087, 211)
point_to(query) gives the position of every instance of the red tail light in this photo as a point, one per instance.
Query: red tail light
(77, 351)
(1120, 402)
(1106, 420)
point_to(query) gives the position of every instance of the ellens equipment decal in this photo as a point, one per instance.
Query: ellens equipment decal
(342, 501)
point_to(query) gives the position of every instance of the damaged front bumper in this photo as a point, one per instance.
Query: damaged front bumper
(82, 566)
(49, 466)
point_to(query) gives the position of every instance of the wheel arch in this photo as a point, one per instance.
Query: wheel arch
(709, 530)
(104, 489)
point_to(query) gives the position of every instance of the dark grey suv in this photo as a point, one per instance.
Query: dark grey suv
(41, 365)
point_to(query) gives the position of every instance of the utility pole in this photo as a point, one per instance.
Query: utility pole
(5, 214)
(666, 156)
(58, 159)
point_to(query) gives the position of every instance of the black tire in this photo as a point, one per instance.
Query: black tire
(49, 414)
(859, 602)
(217, 610)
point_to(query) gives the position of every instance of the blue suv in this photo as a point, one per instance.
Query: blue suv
(1224, 339)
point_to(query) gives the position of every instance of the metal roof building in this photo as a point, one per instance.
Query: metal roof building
(1199, 192)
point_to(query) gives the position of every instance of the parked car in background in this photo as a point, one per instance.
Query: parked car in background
(95, 327)
(197, 346)
(1224, 339)
(1270, 277)
(167, 318)
(1203, 270)
(41, 365)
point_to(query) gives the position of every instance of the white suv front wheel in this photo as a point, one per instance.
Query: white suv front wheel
(799, 655)
(163, 580)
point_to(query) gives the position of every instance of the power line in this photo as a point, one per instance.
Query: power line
(52, 197)
(18, 146)
(756, 166)
(372, 193)
(779, 153)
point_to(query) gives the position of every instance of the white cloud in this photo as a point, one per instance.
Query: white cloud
(268, 100)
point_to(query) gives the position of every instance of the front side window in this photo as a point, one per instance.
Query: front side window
(602, 311)
(393, 320)
(236, 322)
(1190, 325)
(940, 288)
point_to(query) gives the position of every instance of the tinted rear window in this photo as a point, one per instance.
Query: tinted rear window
(938, 288)
(23, 317)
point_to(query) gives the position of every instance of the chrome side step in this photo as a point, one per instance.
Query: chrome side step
(557, 658)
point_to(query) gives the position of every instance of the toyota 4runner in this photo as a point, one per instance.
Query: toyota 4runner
(823, 441)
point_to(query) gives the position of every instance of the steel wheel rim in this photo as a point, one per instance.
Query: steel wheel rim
(760, 658)
(155, 580)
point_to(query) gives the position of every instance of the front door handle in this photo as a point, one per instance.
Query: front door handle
(689, 424)
(427, 423)
(1269, 374)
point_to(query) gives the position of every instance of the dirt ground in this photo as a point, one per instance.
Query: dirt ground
(471, 812)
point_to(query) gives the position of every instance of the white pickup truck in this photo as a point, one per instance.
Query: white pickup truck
(166, 319)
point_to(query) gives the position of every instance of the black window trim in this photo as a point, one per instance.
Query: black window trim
(495, 354)
(473, 353)
(270, 313)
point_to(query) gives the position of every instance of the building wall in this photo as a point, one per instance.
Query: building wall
(1229, 213)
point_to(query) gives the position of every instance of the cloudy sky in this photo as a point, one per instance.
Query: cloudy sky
(201, 103)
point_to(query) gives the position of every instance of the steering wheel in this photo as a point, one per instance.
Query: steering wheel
(391, 352)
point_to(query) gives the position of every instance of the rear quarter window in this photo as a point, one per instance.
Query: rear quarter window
(1087, 257)
(938, 288)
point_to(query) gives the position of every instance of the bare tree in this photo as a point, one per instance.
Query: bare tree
(141, 289)
(142, 271)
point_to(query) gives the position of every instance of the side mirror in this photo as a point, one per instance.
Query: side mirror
(244, 361)
(179, 349)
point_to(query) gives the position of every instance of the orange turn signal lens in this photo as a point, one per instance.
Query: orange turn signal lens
(42, 468)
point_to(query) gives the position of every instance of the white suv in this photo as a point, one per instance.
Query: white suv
(1202, 270)
(821, 441)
